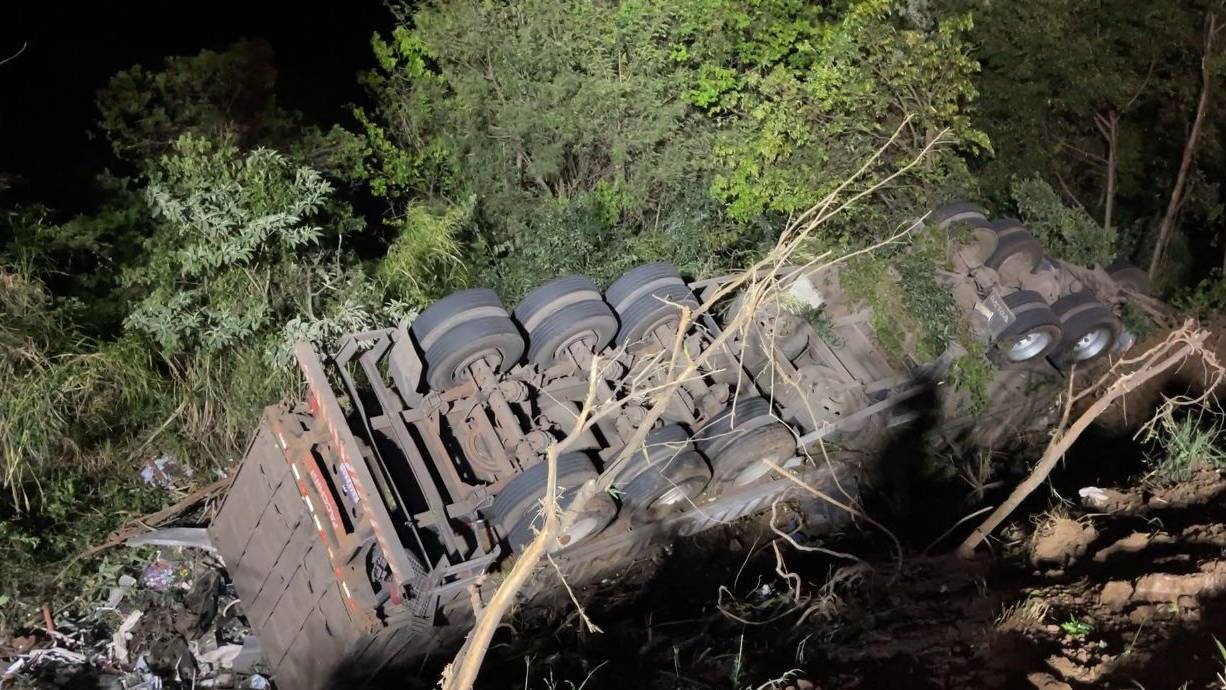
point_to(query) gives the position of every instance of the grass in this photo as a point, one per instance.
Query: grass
(1077, 627)
(1184, 444)
(914, 315)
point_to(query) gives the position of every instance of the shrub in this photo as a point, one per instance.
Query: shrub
(1066, 232)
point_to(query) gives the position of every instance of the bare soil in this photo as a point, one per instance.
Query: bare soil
(1125, 588)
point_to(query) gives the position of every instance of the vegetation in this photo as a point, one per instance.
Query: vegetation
(1185, 444)
(503, 144)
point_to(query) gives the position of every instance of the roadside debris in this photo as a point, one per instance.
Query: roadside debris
(175, 624)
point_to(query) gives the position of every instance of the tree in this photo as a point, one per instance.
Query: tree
(1207, 70)
(595, 136)
(1096, 98)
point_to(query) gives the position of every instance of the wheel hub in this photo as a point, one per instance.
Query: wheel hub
(1091, 344)
(1028, 346)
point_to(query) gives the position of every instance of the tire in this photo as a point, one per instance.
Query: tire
(449, 357)
(561, 312)
(1090, 329)
(516, 510)
(666, 487)
(638, 281)
(445, 309)
(554, 295)
(982, 236)
(741, 461)
(1034, 334)
(527, 488)
(461, 328)
(720, 430)
(1132, 278)
(1016, 249)
(946, 215)
(652, 310)
(596, 515)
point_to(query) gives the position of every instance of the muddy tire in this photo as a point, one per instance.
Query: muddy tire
(1132, 278)
(1034, 334)
(743, 461)
(1017, 251)
(739, 438)
(462, 328)
(561, 313)
(664, 476)
(516, 510)
(946, 215)
(1090, 329)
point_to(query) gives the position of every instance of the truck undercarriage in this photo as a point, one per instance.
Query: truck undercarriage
(366, 522)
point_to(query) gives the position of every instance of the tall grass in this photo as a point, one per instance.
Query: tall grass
(1185, 444)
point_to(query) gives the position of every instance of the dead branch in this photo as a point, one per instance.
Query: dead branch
(1176, 348)
(1189, 149)
(16, 55)
(146, 523)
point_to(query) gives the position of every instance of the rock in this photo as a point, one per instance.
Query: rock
(1046, 681)
(1133, 543)
(1061, 543)
(1141, 614)
(1116, 595)
(1184, 590)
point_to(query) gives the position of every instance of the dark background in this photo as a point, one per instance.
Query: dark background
(47, 111)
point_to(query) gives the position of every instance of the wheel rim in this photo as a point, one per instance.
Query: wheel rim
(671, 497)
(1029, 346)
(1091, 344)
(579, 530)
(751, 474)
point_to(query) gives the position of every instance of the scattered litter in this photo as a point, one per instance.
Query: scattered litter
(250, 655)
(162, 574)
(121, 590)
(119, 640)
(189, 537)
(142, 678)
(1093, 497)
(222, 656)
(165, 472)
(258, 682)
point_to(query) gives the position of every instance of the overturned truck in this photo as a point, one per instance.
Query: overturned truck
(366, 522)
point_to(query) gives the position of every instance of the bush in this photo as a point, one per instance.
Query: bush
(1066, 232)
(1185, 443)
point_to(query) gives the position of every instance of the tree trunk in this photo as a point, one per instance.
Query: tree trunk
(1189, 149)
(1113, 137)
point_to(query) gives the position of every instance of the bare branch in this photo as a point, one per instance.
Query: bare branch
(16, 55)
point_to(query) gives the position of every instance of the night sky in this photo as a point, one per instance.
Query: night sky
(47, 111)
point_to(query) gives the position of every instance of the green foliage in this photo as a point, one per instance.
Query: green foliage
(597, 135)
(1184, 444)
(423, 261)
(230, 227)
(63, 394)
(816, 92)
(1077, 627)
(1207, 296)
(213, 95)
(1056, 74)
(972, 373)
(1066, 232)
(913, 314)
